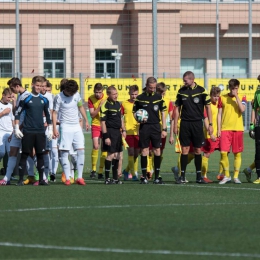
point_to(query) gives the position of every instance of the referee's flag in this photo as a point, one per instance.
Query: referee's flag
(177, 144)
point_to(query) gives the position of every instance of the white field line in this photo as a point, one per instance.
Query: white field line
(129, 251)
(130, 206)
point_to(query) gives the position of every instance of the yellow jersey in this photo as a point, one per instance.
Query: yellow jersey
(131, 125)
(232, 119)
(214, 112)
(169, 108)
(93, 102)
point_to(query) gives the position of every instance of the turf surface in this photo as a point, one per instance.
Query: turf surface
(131, 220)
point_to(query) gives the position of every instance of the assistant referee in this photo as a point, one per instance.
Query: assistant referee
(150, 131)
(190, 103)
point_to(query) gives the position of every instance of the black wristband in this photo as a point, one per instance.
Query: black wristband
(164, 129)
(210, 124)
(105, 135)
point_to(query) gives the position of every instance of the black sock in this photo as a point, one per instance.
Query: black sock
(107, 168)
(144, 165)
(198, 162)
(22, 165)
(115, 168)
(184, 162)
(157, 164)
(40, 165)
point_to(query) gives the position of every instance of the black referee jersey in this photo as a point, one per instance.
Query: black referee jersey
(153, 103)
(192, 102)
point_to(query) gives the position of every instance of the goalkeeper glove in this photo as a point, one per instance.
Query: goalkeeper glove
(18, 134)
(252, 131)
(50, 133)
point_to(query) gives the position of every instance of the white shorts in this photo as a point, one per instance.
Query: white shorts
(71, 135)
(4, 144)
(16, 142)
(48, 144)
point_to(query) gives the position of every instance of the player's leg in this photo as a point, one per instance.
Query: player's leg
(130, 151)
(94, 156)
(257, 154)
(237, 148)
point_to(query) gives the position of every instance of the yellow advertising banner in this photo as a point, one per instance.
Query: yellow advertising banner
(247, 86)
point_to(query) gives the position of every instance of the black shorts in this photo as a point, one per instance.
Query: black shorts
(150, 133)
(33, 140)
(191, 132)
(116, 141)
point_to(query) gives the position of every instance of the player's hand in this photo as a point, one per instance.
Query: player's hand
(213, 138)
(218, 133)
(87, 126)
(171, 140)
(210, 130)
(55, 133)
(163, 134)
(6, 111)
(108, 141)
(18, 134)
(234, 92)
(124, 134)
(50, 133)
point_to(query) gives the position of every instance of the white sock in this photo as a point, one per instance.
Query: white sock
(65, 163)
(30, 166)
(10, 167)
(46, 166)
(55, 160)
(80, 162)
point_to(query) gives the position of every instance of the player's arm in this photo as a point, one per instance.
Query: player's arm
(49, 134)
(171, 139)
(209, 113)
(94, 112)
(83, 113)
(123, 127)
(54, 122)
(18, 112)
(103, 118)
(176, 118)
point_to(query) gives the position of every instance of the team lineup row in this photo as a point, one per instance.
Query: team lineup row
(199, 123)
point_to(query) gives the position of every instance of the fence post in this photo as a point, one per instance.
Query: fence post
(143, 80)
(82, 87)
(206, 81)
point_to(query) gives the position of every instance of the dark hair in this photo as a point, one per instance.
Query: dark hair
(133, 88)
(189, 74)
(233, 83)
(98, 87)
(109, 89)
(62, 83)
(215, 91)
(49, 85)
(14, 82)
(258, 78)
(161, 87)
(71, 87)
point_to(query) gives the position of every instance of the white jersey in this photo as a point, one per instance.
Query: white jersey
(49, 96)
(67, 108)
(6, 124)
(22, 96)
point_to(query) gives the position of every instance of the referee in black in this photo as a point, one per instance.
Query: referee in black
(150, 130)
(190, 103)
(112, 126)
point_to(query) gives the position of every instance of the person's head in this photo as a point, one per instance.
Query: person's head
(215, 94)
(112, 93)
(37, 83)
(6, 95)
(258, 78)
(161, 88)
(98, 90)
(150, 85)
(70, 88)
(233, 85)
(188, 79)
(44, 87)
(14, 84)
(49, 86)
(133, 92)
(62, 83)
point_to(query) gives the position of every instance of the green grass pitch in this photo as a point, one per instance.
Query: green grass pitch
(133, 221)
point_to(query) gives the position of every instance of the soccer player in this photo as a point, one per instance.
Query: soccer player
(190, 103)
(15, 143)
(67, 103)
(150, 130)
(111, 124)
(231, 128)
(211, 141)
(132, 129)
(6, 122)
(33, 135)
(95, 102)
(47, 154)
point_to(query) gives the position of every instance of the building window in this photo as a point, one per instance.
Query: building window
(104, 64)
(234, 68)
(6, 63)
(197, 66)
(54, 63)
